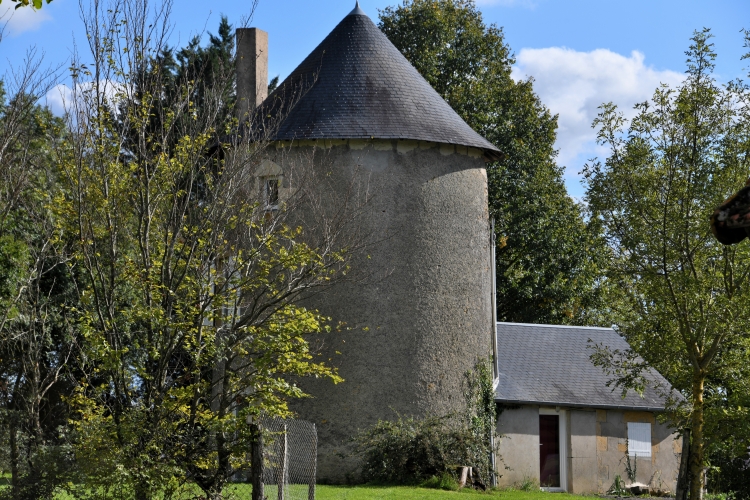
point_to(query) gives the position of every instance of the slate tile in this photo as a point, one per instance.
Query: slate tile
(365, 81)
(551, 364)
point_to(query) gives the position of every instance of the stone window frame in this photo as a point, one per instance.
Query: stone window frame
(270, 174)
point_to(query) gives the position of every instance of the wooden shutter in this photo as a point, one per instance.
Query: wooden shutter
(639, 439)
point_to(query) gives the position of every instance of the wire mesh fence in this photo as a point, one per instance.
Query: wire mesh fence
(289, 459)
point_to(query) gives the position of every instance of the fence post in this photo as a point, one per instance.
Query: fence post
(683, 477)
(311, 479)
(282, 464)
(256, 461)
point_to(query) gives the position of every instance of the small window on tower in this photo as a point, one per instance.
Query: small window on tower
(271, 194)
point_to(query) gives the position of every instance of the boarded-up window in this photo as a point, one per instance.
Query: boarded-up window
(639, 439)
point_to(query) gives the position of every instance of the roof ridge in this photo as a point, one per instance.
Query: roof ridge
(539, 325)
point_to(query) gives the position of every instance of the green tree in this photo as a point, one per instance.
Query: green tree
(205, 72)
(548, 260)
(189, 286)
(686, 295)
(37, 4)
(37, 334)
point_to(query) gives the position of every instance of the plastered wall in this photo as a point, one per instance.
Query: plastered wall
(611, 433)
(583, 455)
(518, 446)
(415, 306)
(596, 453)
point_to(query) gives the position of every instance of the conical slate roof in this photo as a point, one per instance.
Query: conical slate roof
(357, 85)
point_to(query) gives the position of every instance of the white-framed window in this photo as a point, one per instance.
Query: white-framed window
(639, 439)
(271, 193)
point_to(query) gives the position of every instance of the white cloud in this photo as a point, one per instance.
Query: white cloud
(16, 21)
(60, 98)
(529, 4)
(574, 84)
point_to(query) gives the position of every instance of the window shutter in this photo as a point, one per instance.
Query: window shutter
(639, 439)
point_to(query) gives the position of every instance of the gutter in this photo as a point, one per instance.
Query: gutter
(493, 264)
(495, 367)
(580, 405)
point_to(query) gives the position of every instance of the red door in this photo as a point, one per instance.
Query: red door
(549, 451)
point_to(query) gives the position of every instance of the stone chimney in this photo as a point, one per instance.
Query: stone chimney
(252, 70)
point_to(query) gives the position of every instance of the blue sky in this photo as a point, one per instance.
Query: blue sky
(580, 52)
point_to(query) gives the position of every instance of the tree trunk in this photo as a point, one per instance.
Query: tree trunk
(224, 466)
(14, 456)
(214, 493)
(141, 490)
(696, 441)
(256, 462)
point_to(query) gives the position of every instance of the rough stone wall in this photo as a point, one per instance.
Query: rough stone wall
(417, 308)
(596, 449)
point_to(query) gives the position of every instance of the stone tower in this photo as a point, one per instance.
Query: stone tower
(425, 317)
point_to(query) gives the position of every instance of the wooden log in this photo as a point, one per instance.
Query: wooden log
(683, 477)
(464, 476)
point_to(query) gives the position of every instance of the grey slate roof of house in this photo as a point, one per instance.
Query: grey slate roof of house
(550, 365)
(357, 85)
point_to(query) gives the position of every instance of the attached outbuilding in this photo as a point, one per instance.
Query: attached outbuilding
(563, 428)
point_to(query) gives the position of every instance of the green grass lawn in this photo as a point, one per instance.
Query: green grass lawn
(243, 491)
(367, 492)
(410, 493)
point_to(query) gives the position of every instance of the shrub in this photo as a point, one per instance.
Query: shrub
(729, 474)
(443, 482)
(528, 484)
(415, 451)
(480, 416)
(408, 451)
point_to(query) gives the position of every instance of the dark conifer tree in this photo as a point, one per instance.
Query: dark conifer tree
(548, 259)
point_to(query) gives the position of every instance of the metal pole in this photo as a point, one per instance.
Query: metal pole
(493, 264)
(282, 465)
(495, 369)
(314, 460)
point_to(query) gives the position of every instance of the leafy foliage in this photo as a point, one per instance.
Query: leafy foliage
(410, 451)
(729, 474)
(618, 487)
(37, 4)
(186, 289)
(37, 335)
(685, 295)
(149, 303)
(548, 259)
(481, 416)
(631, 468)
